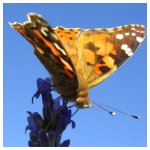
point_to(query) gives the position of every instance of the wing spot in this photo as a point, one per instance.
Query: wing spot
(127, 49)
(119, 36)
(37, 20)
(91, 46)
(44, 30)
(133, 29)
(139, 39)
(109, 61)
(127, 33)
(59, 48)
(66, 64)
(104, 69)
(133, 34)
(70, 38)
(67, 32)
(124, 46)
(40, 50)
(58, 31)
(71, 30)
(130, 53)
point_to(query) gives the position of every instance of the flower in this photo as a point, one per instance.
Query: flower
(46, 130)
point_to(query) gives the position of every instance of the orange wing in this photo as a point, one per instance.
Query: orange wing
(52, 54)
(104, 50)
(68, 36)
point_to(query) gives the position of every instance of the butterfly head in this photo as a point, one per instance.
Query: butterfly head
(83, 101)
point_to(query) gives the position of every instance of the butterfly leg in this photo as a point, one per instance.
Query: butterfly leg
(75, 112)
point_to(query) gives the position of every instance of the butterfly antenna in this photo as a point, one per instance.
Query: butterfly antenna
(75, 111)
(104, 107)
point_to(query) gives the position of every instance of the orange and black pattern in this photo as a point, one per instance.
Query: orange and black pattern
(79, 59)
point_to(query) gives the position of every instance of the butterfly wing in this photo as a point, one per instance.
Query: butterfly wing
(106, 49)
(68, 37)
(51, 52)
(80, 59)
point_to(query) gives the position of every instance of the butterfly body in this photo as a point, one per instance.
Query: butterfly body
(79, 59)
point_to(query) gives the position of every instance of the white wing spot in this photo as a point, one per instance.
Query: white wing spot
(133, 34)
(133, 29)
(38, 20)
(59, 48)
(124, 46)
(130, 53)
(119, 36)
(43, 30)
(142, 31)
(40, 50)
(139, 39)
(127, 49)
(127, 33)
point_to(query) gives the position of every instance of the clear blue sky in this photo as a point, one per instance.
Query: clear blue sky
(125, 89)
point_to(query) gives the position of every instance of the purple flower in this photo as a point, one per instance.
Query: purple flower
(46, 130)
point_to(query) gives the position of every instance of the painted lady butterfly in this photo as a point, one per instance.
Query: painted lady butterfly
(79, 59)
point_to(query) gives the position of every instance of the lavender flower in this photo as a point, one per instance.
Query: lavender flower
(46, 130)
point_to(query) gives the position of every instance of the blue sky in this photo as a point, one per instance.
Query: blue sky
(125, 89)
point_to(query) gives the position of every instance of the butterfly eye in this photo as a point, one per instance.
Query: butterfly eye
(83, 102)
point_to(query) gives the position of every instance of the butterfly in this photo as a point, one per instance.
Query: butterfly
(79, 59)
